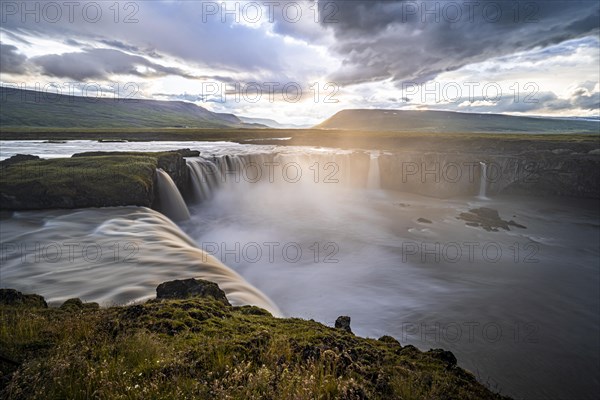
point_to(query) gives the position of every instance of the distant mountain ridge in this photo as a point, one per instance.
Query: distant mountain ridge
(449, 121)
(27, 108)
(272, 123)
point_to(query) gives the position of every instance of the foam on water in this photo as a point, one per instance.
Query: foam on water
(109, 255)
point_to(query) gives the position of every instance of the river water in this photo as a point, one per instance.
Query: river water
(519, 308)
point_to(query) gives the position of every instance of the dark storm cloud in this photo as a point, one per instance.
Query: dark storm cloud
(11, 61)
(100, 64)
(400, 40)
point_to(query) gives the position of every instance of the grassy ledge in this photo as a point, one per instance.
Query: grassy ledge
(202, 348)
(87, 180)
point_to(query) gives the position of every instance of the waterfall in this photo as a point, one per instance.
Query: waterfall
(374, 177)
(132, 250)
(483, 181)
(170, 201)
(205, 177)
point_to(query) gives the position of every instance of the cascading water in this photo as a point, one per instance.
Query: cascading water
(483, 182)
(170, 201)
(359, 254)
(205, 178)
(374, 177)
(114, 255)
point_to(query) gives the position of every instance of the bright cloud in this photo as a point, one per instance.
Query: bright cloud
(301, 61)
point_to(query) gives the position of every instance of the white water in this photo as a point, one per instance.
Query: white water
(483, 182)
(205, 177)
(374, 178)
(109, 255)
(542, 292)
(171, 202)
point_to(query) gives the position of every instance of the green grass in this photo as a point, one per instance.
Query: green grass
(200, 348)
(35, 109)
(108, 180)
(450, 141)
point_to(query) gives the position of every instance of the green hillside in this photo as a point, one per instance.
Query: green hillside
(26, 108)
(446, 121)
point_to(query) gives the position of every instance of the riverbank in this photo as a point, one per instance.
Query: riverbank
(493, 142)
(198, 346)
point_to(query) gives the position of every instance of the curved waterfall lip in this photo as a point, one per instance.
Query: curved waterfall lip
(171, 203)
(109, 255)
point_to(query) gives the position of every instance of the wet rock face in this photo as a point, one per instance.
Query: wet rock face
(528, 172)
(488, 219)
(174, 164)
(183, 289)
(14, 298)
(187, 152)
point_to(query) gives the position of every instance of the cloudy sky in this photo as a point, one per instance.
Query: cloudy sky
(301, 61)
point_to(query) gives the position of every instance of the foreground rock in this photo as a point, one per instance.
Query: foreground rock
(200, 347)
(76, 304)
(184, 289)
(13, 298)
(343, 323)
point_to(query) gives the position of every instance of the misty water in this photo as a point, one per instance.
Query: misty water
(518, 308)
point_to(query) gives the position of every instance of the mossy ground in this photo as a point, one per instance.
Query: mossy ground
(105, 179)
(87, 180)
(200, 348)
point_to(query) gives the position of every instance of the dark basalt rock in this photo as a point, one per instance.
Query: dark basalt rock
(187, 152)
(183, 289)
(12, 297)
(444, 355)
(488, 219)
(343, 323)
(175, 165)
(424, 221)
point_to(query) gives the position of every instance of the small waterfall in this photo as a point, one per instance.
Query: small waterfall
(483, 182)
(170, 201)
(205, 176)
(374, 177)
